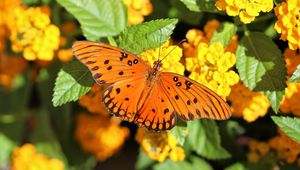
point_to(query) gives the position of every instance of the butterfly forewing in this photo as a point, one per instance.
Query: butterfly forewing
(108, 64)
(192, 100)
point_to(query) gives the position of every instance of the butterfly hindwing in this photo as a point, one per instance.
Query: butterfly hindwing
(108, 64)
(192, 100)
(157, 113)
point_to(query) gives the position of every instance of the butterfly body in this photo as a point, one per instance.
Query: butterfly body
(143, 94)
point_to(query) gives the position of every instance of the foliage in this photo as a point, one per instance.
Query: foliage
(38, 99)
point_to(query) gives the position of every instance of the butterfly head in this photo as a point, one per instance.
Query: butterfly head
(156, 66)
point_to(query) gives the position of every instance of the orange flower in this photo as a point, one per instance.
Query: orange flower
(100, 135)
(92, 100)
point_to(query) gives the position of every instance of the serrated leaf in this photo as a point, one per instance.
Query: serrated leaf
(98, 18)
(224, 33)
(198, 162)
(290, 126)
(236, 166)
(261, 67)
(296, 75)
(180, 133)
(73, 81)
(147, 35)
(200, 5)
(205, 140)
(180, 11)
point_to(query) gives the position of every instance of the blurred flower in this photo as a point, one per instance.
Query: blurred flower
(247, 10)
(247, 104)
(292, 92)
(32, 33)
(257, 150)
(26, 158)
(171, 63)
(160, 145)
(137, 9)
(286, 148)
(100, 135)
(65, 55)
(211, 67)
(288, 22)
(9, 73)
(6, 6)
(92, 100)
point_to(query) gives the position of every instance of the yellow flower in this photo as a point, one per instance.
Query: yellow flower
(211, 67)
(137, 9)
(247, 104)
(26, 158)
(247, 10)
(171, 63)
(195, 37)
(92, 100)
(99, 135)
(32, 33)
(288, 22)
(160, 145)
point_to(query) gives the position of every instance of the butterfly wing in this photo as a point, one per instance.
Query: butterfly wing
(108, 64)
(124, 71)
(158, 112)
(191, 100)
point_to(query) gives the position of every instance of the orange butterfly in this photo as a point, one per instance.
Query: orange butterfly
(145, 95)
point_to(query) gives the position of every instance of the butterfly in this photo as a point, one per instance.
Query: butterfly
(144, 95)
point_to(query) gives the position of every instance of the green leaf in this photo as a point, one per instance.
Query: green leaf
(261, 67)
(290, 126)
(168, 164)
(7, 146)
(236, 166)
(143, 161)
(147, 35)
(194, 163)
(224, 33)
(198, 162)
(180, 133)
(30, 2)
(180, 11)
(200, 5)
(73, 81)
(296, 76)
(98, 18)
(205, 140)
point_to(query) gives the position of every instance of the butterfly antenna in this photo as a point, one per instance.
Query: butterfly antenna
(160, 44)
(182, 41)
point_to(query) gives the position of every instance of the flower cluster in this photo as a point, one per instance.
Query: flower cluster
(137, 9)
(100, 135)
(32, 33)
(92, 100)
(292, 92)
(26, 157)
(285, 148)
(288, 22)
(247, 10)
(210, 64)
(160, 145)
(247, 104)
(172, 54)
(211, 67)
